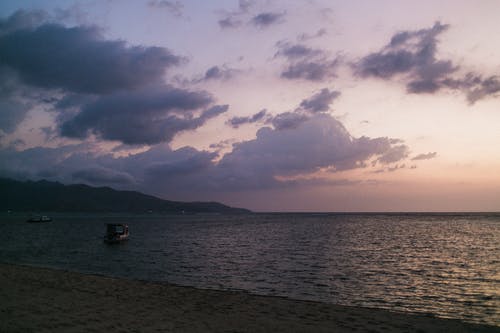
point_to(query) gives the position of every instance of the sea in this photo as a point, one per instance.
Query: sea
(446, 265)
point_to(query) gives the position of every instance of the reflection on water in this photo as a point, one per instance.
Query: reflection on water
(443, 264)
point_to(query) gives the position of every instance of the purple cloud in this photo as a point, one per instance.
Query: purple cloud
(219, 73)
(296, 51)
(266, 19)
(236, 122)
(146, 116)
(102, 176)
(45, 57)
(427, 156)
(175, 8)
(394, 154)
(306, 63)
(321, 101)
(319, 142)
(412, 55)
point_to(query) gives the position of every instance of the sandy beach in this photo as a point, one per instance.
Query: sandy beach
(46, 300)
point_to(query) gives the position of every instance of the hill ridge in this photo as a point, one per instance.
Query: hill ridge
(44, 195)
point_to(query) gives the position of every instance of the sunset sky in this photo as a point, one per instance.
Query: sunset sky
(302, 105)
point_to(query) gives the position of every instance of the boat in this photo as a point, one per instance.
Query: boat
(39, 218)
(116, 233)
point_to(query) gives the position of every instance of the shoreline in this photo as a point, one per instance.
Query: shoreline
(34, 299)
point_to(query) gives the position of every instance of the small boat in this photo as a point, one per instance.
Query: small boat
(116, 233)
(38, 218)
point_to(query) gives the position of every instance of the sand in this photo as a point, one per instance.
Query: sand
(45, 300)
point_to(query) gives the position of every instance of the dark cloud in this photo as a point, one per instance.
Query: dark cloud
(78, 59)
(413, 54)
(305, 37)
(311, 70)
(34, 163)
(174, 7)
(222, 144)
(11, 114)
(147, 116)
(245, 5)
(15, 100)
(187, 161)
(102, 176)
(394, 154)
(22, 19)
(306, 63)
(320, 142)
(289, 120)
(485, 87)
(474, 86)
(317, 103)
(229, 23)
(321, 101)
(236, 122)
(219, 73)
(296, 51)
(427, 156)
(233, 19)
(266, 19)
(96, 86)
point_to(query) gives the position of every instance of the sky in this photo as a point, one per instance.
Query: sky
(270, 105)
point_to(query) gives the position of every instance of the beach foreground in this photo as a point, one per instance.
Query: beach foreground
(46, 300)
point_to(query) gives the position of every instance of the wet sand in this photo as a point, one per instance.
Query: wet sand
(46, 300)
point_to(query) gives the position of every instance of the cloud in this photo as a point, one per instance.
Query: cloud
(289, 120)
(102, 176)
(486, 87)
(427, 156)
(318, 142)
(11, 114)
(148, 116)
(174, 7)
(231, 20)
(275, 158)
(222, 144)
(39, 162)
(97, 87)
(321, 101)
(475, 86)
(317, 103)
(15, 100)
(236, 122)
(186, 161)
(394, 154)
(410, 53)
(266, 19)
(229, 23)
(296, 51)
(306, 63)
(22, 19)
(219, 73)
(245, 5)
(79, 60)
(311, 70)
(306, 37)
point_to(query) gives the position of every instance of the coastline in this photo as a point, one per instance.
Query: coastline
(36, 299)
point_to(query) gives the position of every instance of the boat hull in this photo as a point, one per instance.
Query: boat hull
(39, 220)
(115, 240)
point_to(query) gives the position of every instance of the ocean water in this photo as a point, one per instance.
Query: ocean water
(444, 264)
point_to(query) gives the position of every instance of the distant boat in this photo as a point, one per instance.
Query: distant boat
(38, 218)
(116, 233)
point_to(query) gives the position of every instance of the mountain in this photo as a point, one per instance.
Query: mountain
(53, 196)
